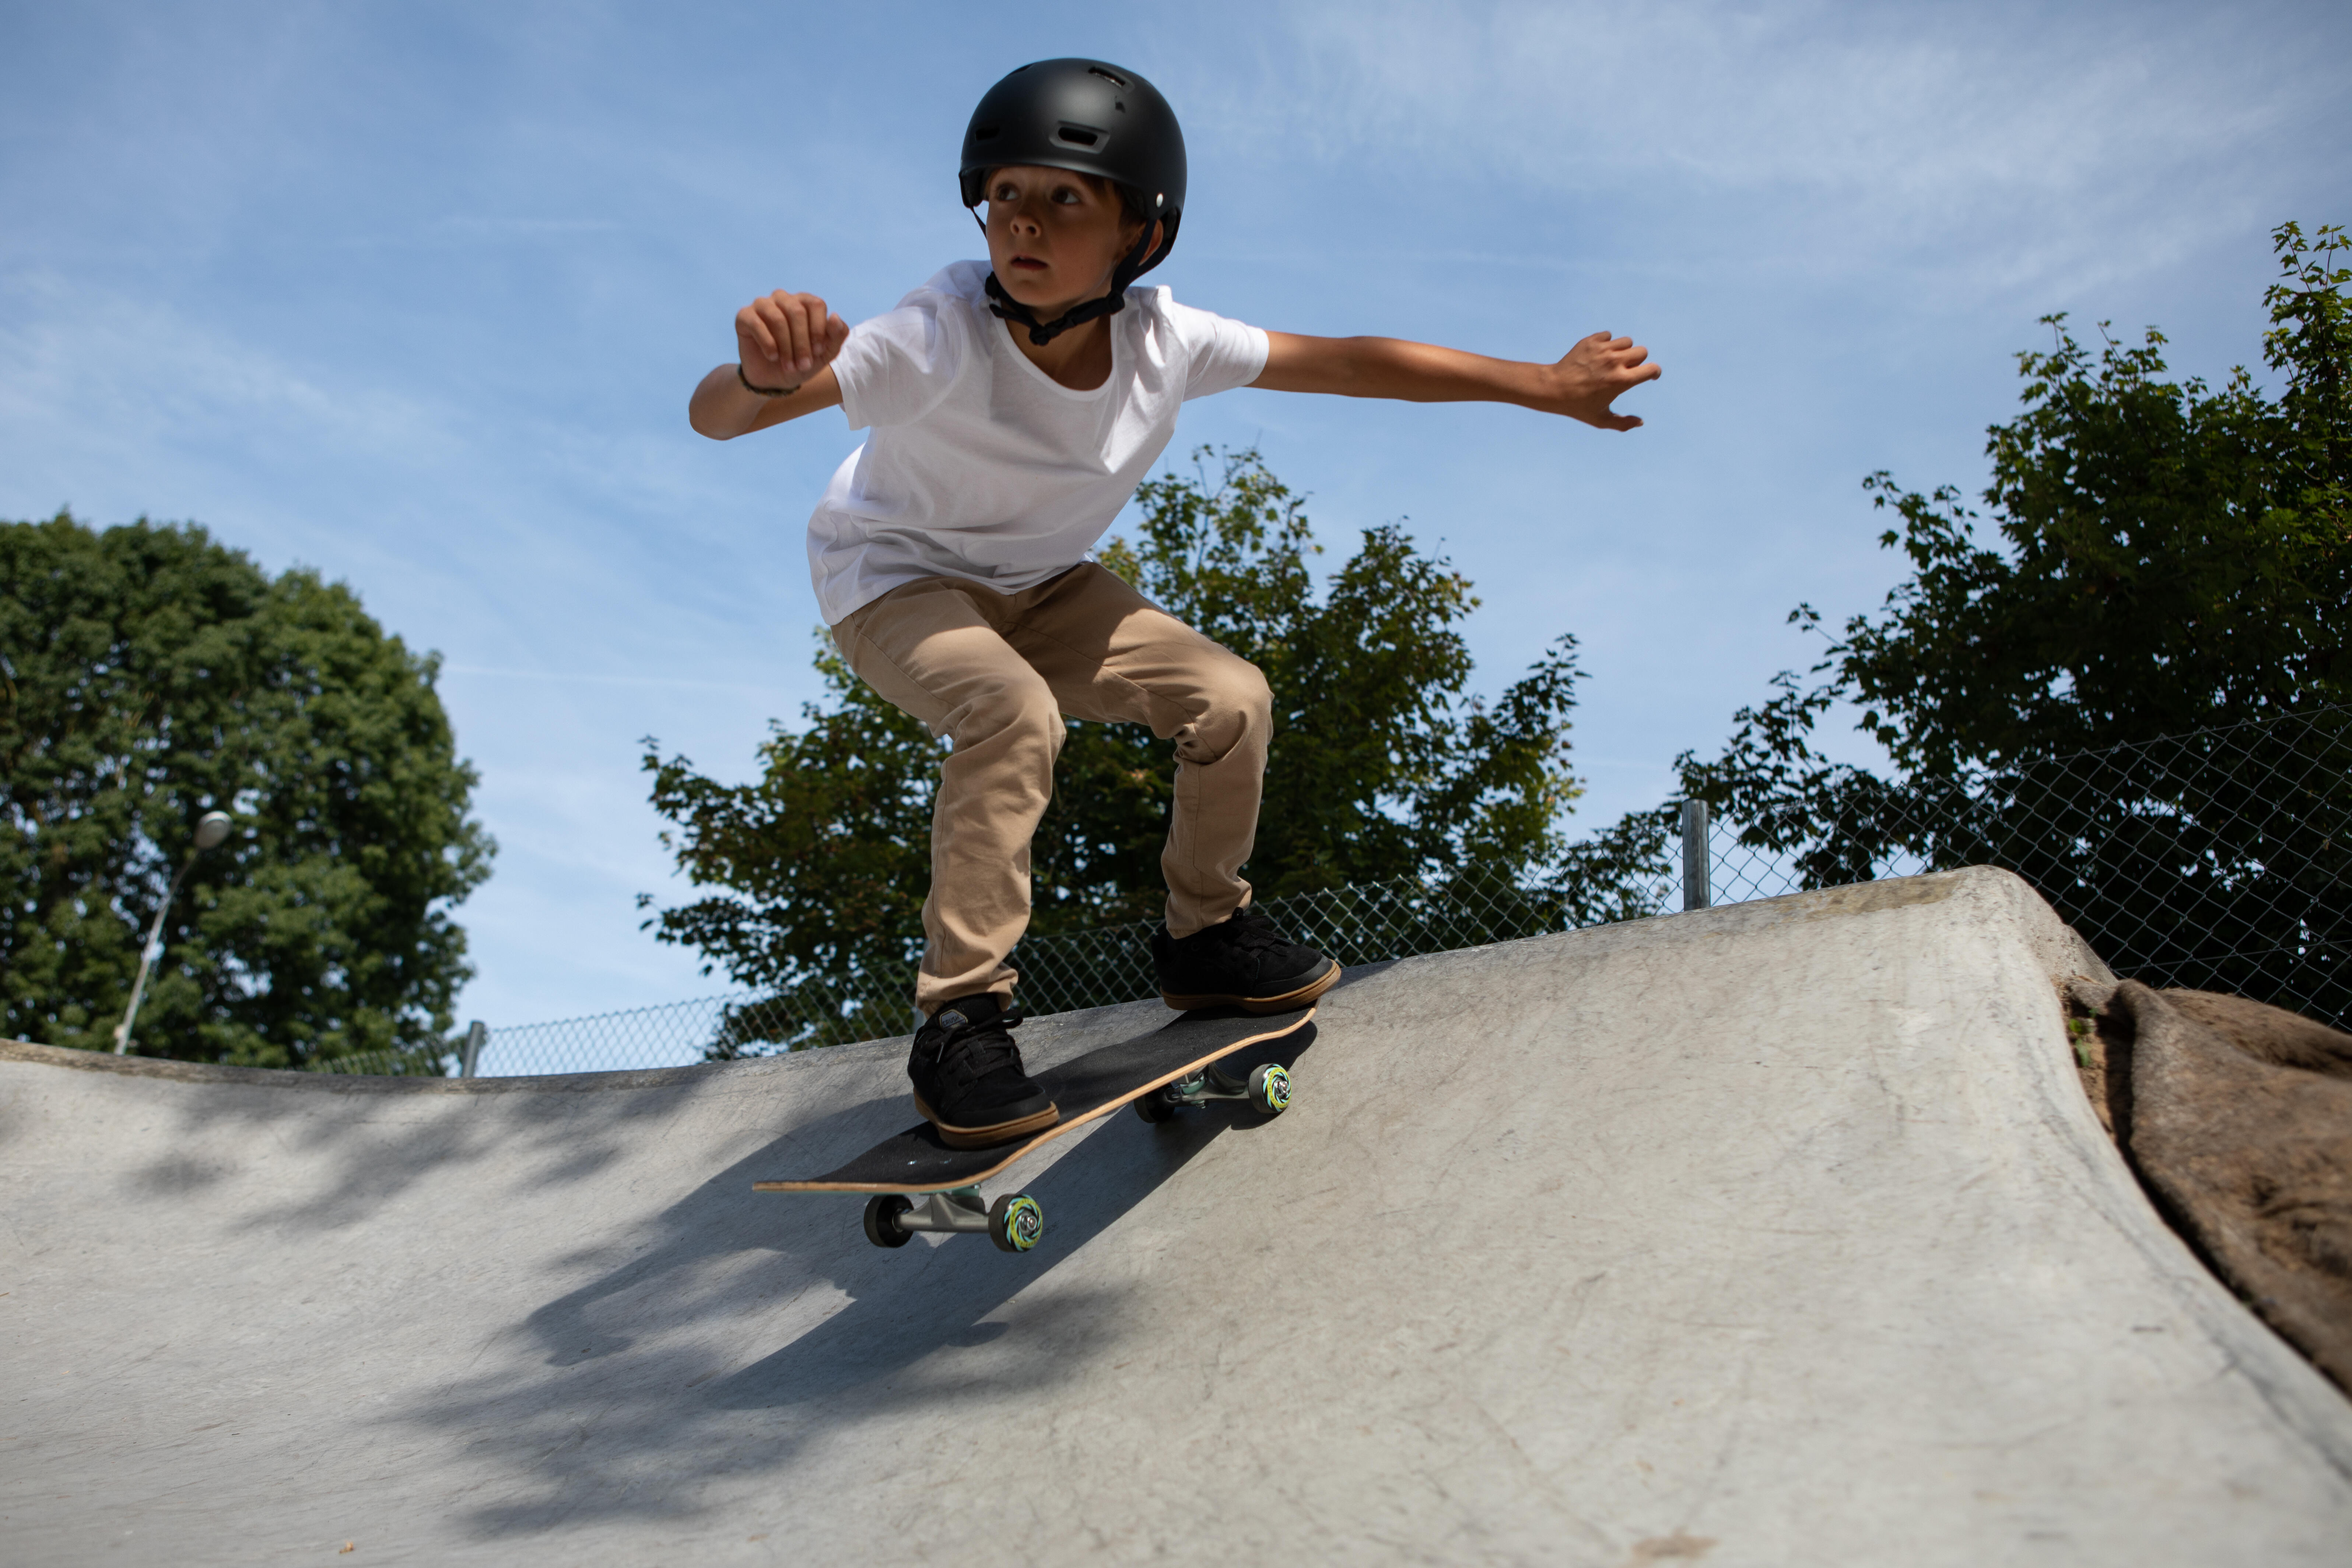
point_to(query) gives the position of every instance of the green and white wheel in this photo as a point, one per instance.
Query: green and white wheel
(1269, 1090)
(1015, 1222)
(882, 1211)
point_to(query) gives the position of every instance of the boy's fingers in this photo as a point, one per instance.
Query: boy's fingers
(779, 335)
(777, 311)
(752, 327)
(812, 320)
(788, 330)
(791, 338)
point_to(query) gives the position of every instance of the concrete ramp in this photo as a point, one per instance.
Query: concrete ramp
(1778, 1234)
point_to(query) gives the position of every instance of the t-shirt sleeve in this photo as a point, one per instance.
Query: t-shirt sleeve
(896, 367)
(1221, 354)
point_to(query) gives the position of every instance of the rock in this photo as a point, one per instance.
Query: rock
(2238, 1119)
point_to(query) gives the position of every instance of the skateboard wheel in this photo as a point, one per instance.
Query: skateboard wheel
(1154, 1106)
(1015, 1222)
(882, 1211)
(1269, 1090)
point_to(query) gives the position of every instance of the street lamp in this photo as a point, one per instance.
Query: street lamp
(211, 828)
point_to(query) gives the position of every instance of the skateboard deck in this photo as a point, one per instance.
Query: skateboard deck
(1173, 1065)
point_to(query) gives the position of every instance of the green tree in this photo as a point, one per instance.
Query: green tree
(2171, 559)
(147, 675)
(1382, 763)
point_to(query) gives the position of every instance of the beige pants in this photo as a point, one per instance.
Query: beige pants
(995, 673)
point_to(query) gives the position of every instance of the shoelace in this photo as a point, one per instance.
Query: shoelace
(986, 1056)
(1254, 932)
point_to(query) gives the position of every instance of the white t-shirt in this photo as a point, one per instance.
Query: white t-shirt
(980, 465)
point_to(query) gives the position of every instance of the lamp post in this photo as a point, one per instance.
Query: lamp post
(211, 828)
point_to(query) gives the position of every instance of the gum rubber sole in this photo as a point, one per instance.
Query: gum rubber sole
(995, 1132)
(1260, 1006)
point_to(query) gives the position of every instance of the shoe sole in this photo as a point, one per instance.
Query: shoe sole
(1263, 1005)
(956, 1136)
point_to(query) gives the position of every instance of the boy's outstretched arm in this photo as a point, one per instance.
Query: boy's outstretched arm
(784, 344)
(1581, 384)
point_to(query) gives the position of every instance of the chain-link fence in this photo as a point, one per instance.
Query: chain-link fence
(2221, 859)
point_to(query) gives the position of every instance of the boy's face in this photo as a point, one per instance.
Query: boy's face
(1054, 237)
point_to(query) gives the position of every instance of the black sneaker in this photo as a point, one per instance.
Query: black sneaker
(968, 1078)
(1239, 962)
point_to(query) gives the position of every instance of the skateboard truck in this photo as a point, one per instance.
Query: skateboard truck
(1266, 1091)
(1014, 1221)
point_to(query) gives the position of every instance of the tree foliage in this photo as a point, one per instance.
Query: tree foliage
(2169, 558)
(1382, 763)
(148, 675)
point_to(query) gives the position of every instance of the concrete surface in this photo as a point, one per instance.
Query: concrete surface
(1778, 1234)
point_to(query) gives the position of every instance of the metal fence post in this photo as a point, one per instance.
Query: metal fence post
(1694, 854)
(477, 1034)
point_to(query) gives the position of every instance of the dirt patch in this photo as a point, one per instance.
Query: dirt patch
(2238, 1119)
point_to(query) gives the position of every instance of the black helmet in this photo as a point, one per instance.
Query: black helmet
(1092, 118)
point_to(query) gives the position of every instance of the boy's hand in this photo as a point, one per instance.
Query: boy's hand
(782, 339)
(785, 344)
(1594, 373)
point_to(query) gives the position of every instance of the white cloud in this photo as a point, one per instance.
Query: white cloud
(1853, 132)
(111, 373)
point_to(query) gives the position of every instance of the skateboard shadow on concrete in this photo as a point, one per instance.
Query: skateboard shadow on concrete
(947, 1299)
(926, 1325)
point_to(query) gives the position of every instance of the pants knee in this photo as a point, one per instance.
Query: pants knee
(1250, 695)
(1237, 705)
(1017, 712)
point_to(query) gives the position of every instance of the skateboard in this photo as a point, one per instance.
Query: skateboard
(1173, 1065)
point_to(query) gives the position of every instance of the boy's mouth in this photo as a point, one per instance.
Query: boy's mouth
(1027, 264)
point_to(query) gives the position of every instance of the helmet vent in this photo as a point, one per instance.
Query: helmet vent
(985, 132)
(1109, 75)
(1080, 136)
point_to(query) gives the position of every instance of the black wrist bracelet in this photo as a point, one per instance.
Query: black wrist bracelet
(763, 391)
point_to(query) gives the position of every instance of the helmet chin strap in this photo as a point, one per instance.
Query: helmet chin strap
(1005, 307)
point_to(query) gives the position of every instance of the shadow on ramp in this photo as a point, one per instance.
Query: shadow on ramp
(624, 1415)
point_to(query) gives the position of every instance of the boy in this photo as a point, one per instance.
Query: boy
(1013, 407)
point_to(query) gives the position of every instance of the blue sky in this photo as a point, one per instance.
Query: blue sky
(414, 294)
